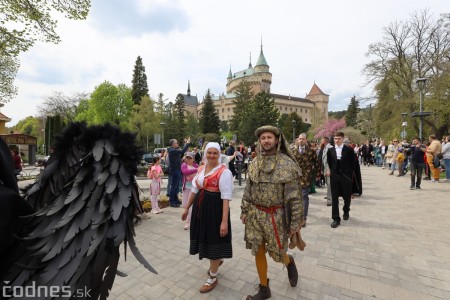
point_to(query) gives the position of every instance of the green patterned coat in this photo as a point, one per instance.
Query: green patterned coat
(272, 181)
(308, 163)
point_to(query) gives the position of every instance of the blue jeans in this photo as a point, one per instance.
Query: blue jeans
(447, 167)
(175, 187)
(305, 196)
(169, 183)
(393, 166)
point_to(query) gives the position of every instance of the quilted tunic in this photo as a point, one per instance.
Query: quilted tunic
(272, 203)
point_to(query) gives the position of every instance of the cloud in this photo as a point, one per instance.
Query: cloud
(118, 17)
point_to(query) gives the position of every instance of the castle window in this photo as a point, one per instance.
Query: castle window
(296, 109)
(223, 109)
(301, 109)
(285, 108)
(228, 109)
(306, 120)
(291, 108)
(306, 110)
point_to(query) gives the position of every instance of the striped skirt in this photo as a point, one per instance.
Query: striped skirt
(205, 227)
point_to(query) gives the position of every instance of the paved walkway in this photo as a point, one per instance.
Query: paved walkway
(396, 245)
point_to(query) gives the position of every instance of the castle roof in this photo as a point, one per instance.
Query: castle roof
(261, 59)
(315, 90)
(243, 73)
(289, 97)
(190, 100)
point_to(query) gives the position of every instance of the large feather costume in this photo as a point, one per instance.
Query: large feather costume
(86, 202)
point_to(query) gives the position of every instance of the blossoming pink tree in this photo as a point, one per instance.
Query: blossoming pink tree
(329, 128)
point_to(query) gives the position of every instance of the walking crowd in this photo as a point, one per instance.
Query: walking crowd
(281, 177)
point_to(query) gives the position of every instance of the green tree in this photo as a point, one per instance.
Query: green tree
(145, 122)
(209, 118)
(352, 112)
(179, 117)
(192, 124)
(139, 85)
(160, 104)
(22, 22)
(53, 126)
(410, 49)
(224, 126)
(286, 125)
(241, 109)
(8, 70)
(108, 104)
(262, 112)
(32, 126)
(364, 122)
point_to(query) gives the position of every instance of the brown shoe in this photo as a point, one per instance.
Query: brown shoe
(263, 293)
(292, 272)
(209, 286)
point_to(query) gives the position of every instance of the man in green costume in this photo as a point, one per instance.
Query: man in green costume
(272, 206)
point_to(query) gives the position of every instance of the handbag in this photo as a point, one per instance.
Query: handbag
(440, 156)
(436, 161)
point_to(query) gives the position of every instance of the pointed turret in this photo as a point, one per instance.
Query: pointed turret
(261, 64)
(315, 90)
(250, 62)
(189, 88)
(230, 75)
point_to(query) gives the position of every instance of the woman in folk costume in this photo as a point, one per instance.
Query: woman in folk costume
(188, 169)
(155, 173)
(210, 230)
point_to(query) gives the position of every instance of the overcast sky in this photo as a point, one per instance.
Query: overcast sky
(198, 40)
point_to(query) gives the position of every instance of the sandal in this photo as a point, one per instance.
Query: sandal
(209, 285)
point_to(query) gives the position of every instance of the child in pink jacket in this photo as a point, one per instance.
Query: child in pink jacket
(188, 169)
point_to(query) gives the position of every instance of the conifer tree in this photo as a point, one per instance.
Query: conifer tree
(242, 106)
(352, 112)
(209, 119)
(139, 86)
(179, 116)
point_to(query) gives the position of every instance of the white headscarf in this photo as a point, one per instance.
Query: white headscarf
(212, 145)
(208, 146)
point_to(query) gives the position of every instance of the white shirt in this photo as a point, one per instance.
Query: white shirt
(339, 151)
(225, 182)
(301, 149)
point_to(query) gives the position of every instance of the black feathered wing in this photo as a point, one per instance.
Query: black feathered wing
(91, 198)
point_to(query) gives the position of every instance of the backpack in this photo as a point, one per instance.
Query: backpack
(400, 157)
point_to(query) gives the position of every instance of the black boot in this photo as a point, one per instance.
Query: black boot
(292, 272)
(263, 293)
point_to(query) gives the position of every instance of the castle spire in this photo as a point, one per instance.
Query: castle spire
(250, 63)
(189, 88)
(230, 75)
(261, 59)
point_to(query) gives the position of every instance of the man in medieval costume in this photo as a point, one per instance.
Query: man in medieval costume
(272, 207)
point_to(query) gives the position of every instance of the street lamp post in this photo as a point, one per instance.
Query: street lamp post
(162, 127)
(404, 124)
(421, 84)
(293, 130)
(49, 117)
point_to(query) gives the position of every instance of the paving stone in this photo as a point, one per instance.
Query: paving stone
(380, 253)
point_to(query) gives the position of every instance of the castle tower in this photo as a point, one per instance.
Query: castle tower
(320, 100)
(258, 77)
